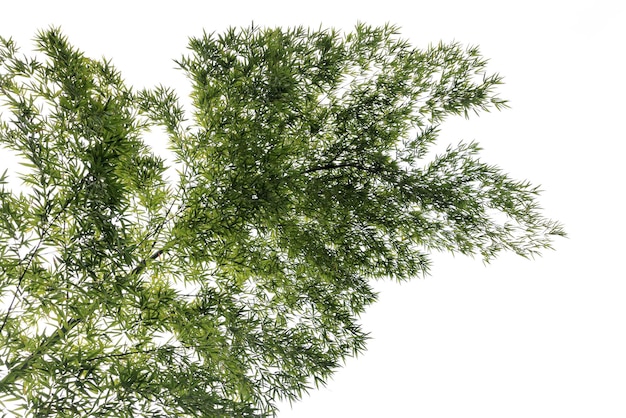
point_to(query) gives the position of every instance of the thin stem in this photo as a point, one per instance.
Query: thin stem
(33, 253)
(332, 166)
(61, 332)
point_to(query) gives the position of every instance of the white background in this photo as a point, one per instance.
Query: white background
(515, 338)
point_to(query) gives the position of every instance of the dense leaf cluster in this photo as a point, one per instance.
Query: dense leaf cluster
(301, 177)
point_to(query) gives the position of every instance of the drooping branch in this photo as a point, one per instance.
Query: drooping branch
(67, 327)
(60, 333)
(33, 253)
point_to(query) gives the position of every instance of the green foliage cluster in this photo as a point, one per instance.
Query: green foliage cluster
(302, 176)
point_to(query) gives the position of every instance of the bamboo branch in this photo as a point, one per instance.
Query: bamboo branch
(57, 335)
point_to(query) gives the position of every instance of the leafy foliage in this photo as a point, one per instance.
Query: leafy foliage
(302, 176)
